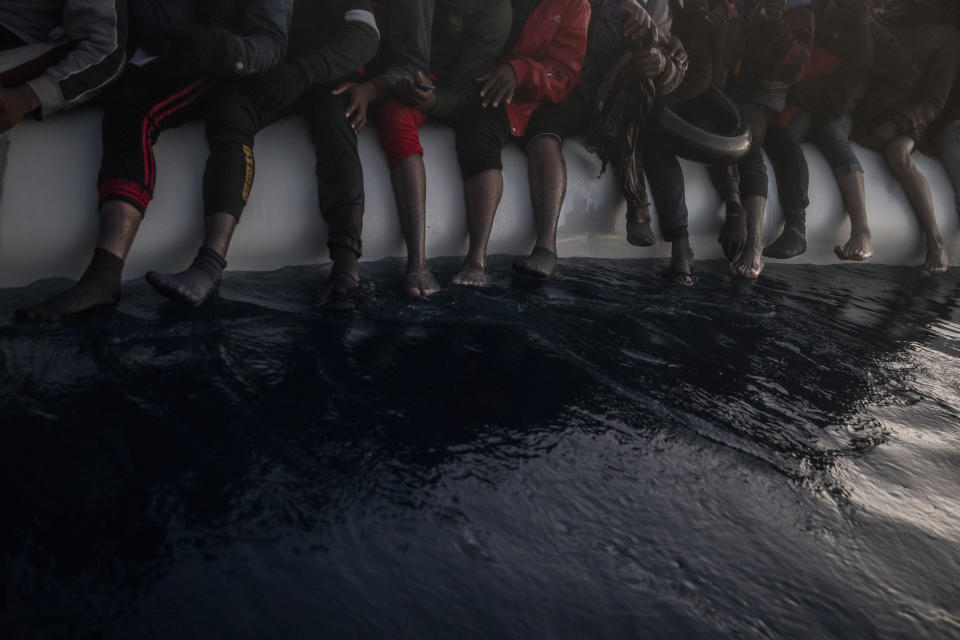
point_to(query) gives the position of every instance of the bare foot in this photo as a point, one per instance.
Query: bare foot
(343, 289)
(473, 274)
(858, 248)
(420, 282)
(936, 259)
(750, 263)
(733, 233)
(541, 263)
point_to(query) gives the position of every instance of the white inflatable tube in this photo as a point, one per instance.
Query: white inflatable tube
(48, 216)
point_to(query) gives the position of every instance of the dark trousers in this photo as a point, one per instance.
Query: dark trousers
(483, 133)
(233, 118)
(145, 101)
(749, 176)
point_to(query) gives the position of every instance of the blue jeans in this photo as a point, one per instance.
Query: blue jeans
(789, 164)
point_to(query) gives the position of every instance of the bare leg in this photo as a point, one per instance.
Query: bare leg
(855, 203)
(749, 263)
(482, 192)
(409, 178)
(194, 284)
(548, 186)
(898, 152)
(99, 286)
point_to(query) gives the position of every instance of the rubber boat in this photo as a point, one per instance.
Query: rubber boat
(48, 214)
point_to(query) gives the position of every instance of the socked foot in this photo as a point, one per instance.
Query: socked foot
(733, 233)
(79, 299)
(857, 248)
(541, 263)
(792, 242)
(936, 261)
(472, 274)
(750, 262)
(420, 282)
(680, 269)
(183, 287)
(342, 292)
(640, 234)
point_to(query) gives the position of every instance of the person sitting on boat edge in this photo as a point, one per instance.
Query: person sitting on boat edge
(771, 53)
(466, 38)
(546, 50)
(57, 55)
(819, 108)
(327, 42)
(923, 30)
(166, 84)
(944, 138)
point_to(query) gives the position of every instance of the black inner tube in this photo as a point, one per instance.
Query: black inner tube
(697, 144)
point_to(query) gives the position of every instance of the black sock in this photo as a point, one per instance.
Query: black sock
(98, 286)
(195, 283)
(793, 240)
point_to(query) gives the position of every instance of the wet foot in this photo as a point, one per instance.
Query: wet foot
(72, 303)
(680, 269)
(186, 287)
(936, 261)
(342, 292)
(192, 285)
(733, 234)
(472, 274)
(541, 263)
(750, 262)
(97, 289)
(792, 242)
(640, 234)
(420, 282)
(857, 248)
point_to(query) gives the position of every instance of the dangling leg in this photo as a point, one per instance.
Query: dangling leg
(898, 152)
(340, 194)
(548, 185)
(482, 192)
(145, 103)
(733, 233)
(398, 127)
(855, 202)
(639, 231)
(793, 177)
(667, 188)
(232, 120)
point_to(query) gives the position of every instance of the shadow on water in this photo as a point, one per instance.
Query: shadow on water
(255, 441)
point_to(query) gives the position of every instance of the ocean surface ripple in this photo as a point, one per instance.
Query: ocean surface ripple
(603, 455)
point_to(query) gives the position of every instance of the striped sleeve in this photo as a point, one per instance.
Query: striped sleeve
(98, 29)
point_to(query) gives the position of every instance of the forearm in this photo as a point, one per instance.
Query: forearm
(353, 46)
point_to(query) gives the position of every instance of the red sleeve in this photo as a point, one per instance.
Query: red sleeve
(553, 77)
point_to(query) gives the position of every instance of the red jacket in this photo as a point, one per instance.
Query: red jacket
(547, 58)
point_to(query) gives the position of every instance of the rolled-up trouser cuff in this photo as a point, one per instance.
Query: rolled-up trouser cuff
(844, 169)
(124, 190)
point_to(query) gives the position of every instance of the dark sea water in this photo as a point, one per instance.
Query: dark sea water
(602, 456)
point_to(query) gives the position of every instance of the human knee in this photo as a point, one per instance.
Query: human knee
(897, 154)
(231, 117)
